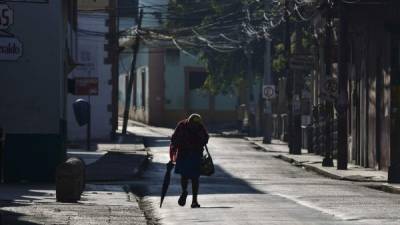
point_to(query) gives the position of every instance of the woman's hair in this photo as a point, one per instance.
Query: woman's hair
(196, 118)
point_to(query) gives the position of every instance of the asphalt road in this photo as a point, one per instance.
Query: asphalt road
(252, 187)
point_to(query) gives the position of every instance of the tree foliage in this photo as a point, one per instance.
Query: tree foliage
(222, 20)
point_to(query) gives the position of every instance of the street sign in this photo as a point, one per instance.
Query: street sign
(6, 16)
(269, 91)
(86, 86)
(10, 49)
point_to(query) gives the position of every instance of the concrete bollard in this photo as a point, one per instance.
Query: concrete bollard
(70, 180)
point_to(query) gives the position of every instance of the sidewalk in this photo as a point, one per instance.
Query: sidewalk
(121, 160)
(101, 203)
(22, 204)
(372, 178)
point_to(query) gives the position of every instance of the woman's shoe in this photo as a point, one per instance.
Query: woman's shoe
(182, 198)
(195, 205)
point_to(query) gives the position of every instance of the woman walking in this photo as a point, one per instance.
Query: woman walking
(187, 144)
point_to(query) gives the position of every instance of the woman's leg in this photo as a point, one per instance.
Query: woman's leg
(195, 190)
(184, 184)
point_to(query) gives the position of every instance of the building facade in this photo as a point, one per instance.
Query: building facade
(33, 87)
(364, 53)
(168, 83)
(168, 87)
(92, 78)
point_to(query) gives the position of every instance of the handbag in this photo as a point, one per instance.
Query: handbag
(207, 165)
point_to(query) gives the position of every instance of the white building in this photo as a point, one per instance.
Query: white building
(167, 84)
(91, 55)
(96, 77)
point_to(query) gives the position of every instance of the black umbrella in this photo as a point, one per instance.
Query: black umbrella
(166, 182)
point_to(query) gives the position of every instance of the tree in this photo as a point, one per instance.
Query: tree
(219, 30)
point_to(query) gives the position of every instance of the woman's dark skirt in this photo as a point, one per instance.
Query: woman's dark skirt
(188, 164)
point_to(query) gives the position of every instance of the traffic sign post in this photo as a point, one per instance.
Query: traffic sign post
(330, 89)
(269, 91)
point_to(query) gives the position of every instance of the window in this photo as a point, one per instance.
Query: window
(143, 87)
(173, 56)
(138, 85)
(198, 99)
(196, 80)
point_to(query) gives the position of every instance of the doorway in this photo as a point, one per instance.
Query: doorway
(196, 98)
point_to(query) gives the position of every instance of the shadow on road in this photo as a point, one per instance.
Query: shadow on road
(221, 182)
(13, 218)
(116, 166)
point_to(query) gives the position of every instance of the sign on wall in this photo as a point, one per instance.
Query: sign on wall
(86, 86)
(87, 58)
(10, 49)
(6, 17)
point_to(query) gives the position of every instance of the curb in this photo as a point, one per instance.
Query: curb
(228, 135)
(308, 167)
(389, 189)
(384, 187)
(374, 184)
(323, 172)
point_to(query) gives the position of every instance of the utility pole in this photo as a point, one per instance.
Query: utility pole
(267, 81)
(328, 159)
(297, 80)
(268, 103)
(113, 38)
(293, 90)
(250, 101)
(289, 83)
(342, 103)
(250, 95)
(132, 74)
